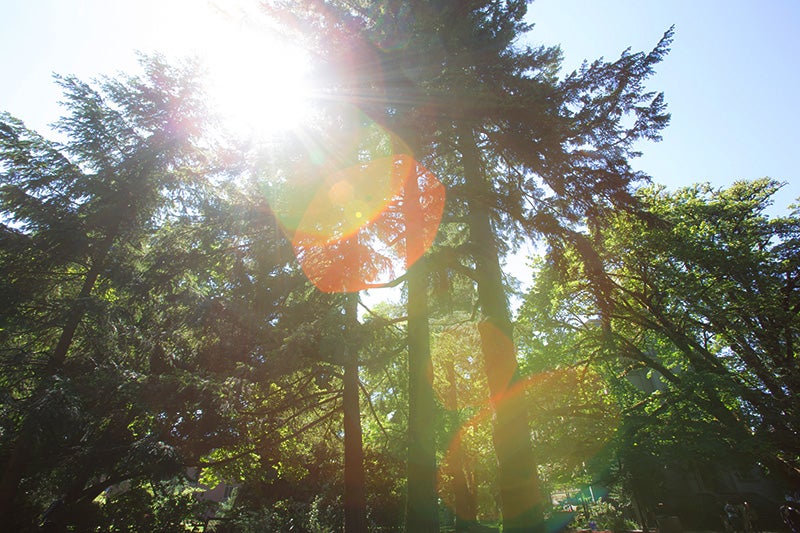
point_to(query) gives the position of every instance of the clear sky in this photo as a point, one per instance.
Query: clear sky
(730, 80)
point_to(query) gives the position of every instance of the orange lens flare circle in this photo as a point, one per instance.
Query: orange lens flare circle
(367, 223)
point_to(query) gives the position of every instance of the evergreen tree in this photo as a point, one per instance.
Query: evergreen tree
(522, 153)
(131, 150)
(150, 305)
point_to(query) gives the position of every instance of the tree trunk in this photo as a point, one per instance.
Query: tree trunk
(522, 501)
(422, 514)
(465, 504)
(355, 501)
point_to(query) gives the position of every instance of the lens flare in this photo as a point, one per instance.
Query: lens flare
(360, 225)
(570, 414)
(368, 223)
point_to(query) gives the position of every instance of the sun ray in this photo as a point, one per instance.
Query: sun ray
(257, 81)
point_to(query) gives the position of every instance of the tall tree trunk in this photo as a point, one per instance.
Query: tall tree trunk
(355, 501)
(23, 447)
(464, 497)
(421, 502)
(522, 501)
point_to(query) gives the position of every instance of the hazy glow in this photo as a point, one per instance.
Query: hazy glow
(264, 92)
(256, 80)
(368, 223)
(560, 403)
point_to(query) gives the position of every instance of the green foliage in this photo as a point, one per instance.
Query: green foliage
(149, 507)
(522, 152)
(694, 337)
(605, 515)
(179, 353)
(154, 318)
(285, 515)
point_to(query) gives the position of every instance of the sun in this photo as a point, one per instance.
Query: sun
(259, 86)
(258, 83)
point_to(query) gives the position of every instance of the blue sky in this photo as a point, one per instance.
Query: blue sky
(730, 80)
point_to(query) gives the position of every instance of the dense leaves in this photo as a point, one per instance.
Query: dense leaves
(522, 153)
(160, 334)
(697, 337)
(145, 330)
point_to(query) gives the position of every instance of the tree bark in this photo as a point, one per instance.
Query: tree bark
(355, 501)
(521, 498)
(422, 514)
(464, 504)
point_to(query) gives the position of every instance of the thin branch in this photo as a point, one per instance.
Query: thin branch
(372, 410)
